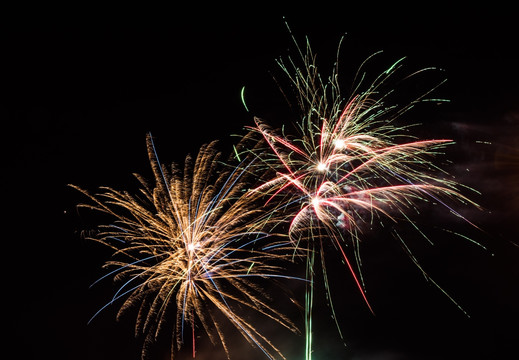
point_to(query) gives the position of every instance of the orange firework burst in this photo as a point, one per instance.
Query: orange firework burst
(191, 246)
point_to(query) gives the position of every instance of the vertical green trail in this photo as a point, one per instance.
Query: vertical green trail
(309, 301)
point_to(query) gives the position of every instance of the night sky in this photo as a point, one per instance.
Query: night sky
(81, 87)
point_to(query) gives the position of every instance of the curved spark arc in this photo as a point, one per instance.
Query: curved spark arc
(188, 243)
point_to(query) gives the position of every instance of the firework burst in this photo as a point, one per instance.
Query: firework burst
(349, 167)
(189, 246)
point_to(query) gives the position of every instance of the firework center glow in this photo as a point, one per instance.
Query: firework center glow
(316, 201)
(340, 144)
(321, 167)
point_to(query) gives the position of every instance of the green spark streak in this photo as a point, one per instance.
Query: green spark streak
(250, 268)
(243, 98)
(394, 65)
(236, 153)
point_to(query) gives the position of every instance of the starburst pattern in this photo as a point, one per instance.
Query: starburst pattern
(350, 166)
(190, 247)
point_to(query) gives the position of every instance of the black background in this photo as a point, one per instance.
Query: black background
(81, 85)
